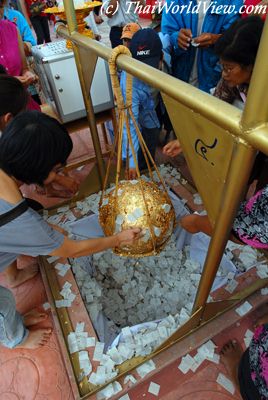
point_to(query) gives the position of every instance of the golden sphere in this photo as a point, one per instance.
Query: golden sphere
(139, 204)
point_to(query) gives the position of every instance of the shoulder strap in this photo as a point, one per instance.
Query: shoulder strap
(13, 213)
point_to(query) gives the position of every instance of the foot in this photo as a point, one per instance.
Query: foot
(33, 317)
(22, 275)
(231, 354)
(36, 338)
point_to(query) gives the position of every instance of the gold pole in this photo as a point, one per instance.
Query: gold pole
(72, 27)
(237, 179)
(217, 111)
(256, 109)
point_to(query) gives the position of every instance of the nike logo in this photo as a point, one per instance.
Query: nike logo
(142, 47)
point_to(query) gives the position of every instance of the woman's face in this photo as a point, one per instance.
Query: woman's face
(235, 74)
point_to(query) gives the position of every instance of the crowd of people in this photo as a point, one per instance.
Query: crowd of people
(213, 51)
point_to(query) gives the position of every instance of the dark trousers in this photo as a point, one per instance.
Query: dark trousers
(248, 390)
(151, 137)
(115, 36)
(41, 28)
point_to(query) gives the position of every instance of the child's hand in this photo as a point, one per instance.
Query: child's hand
(131, 174)
(172, 149)
(128, 236)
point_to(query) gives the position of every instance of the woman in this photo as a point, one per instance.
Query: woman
(13, 56)
(32, 148)
(237, 49)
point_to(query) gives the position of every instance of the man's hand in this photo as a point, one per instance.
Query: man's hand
(128, 236)
(206, 39)
(184, 38)
(172, 149)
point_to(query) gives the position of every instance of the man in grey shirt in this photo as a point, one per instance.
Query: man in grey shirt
(33, 147)
(120, 13)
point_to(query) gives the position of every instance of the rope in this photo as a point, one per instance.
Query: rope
(124, 115)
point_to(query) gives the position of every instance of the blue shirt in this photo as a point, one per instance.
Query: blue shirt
(22, 25)
(28, 234)
(216, 21)
(143, 108)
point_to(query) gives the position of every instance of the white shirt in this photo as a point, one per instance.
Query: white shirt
(201, 16)
(124, 14)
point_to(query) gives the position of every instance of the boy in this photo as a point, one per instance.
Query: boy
(128, 31)
(146, 47)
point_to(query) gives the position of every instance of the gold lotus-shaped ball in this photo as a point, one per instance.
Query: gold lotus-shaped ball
(138, 204)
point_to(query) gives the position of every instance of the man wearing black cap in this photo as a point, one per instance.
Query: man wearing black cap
(146, 47)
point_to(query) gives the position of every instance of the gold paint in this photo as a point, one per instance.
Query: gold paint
(201, 111)
(130, 197)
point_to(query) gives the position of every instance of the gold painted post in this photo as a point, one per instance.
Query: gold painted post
(256, 112)
(72, 27)
(256, 109)
(243, 157)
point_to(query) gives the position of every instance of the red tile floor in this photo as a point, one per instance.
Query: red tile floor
(41, 374)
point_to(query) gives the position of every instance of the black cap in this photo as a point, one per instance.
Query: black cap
(146, 46)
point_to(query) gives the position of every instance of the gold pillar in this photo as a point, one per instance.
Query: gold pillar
(256, 109)
(72, 27)
(240, 167)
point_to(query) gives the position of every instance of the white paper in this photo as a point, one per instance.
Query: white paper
(129, 378)
(225, 383)
(186, 363)
(154, 388)
(98, 352)
(244, 309)
(46, 306)
(231, 286)
(52, 259)
(145, 368)
(91, 341)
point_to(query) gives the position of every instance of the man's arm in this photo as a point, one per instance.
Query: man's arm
(112, 8)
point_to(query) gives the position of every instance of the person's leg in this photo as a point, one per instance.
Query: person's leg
(115, 36)
(195, 223)
(45, 27)
(237, 365)
(151, 137)
(231, 354)
(38, 29)
(16, 277)
(13, 331)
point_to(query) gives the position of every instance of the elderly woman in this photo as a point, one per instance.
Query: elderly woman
(32, 148)
(237, 50)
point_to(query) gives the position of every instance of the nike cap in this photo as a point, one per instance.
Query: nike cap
(146, 46)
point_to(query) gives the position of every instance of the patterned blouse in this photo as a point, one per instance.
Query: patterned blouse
(230, 94)
(258, 359)
(251, 223)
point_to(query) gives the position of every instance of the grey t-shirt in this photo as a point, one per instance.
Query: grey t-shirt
(29, 234)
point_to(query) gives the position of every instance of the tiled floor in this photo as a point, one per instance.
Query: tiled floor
(41, 374)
